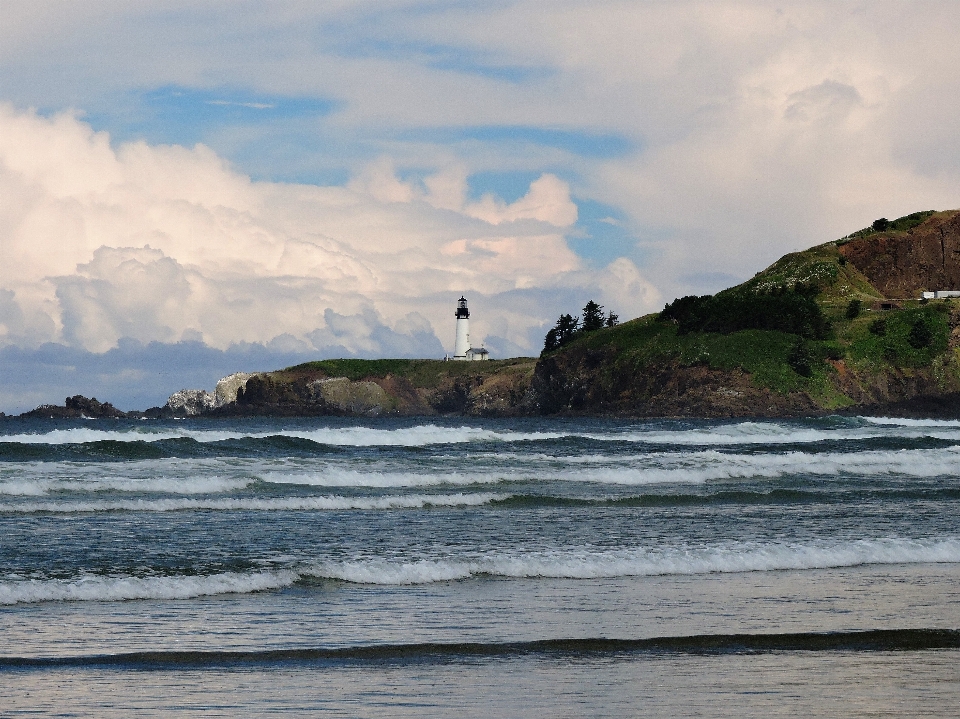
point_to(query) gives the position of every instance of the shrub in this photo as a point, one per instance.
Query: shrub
(801, 359)
(880, 225)
(920, 335)
(794, 311)
(878, 327)
(853, 309)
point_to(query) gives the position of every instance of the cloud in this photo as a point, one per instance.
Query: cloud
(170, 244)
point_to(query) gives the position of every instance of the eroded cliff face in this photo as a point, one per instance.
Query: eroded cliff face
(902, 264)
(487, 390)
(589, 383)
(583, 382)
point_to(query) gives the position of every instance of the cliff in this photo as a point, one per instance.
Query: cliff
(837, 328)
(902, 263)
(379, 387)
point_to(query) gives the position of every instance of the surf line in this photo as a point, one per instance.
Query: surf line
(875, 640)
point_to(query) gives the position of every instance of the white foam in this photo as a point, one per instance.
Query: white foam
(577, 563)
(905, 422)
(325, 503)
(416, 436)
(336, 476)
(41, 486)
(107, 589)
(596, 564)
(746, 432)
(655, 468)
(703, 466)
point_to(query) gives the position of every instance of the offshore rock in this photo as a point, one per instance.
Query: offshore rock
(77, 407)
(188, 403)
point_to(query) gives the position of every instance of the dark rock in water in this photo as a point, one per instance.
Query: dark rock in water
(77, 407)
(152, 413)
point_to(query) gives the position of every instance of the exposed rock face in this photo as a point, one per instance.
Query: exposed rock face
(189, 403)
(902, 264)
(227, 388)
(581, 383)
(340, 395)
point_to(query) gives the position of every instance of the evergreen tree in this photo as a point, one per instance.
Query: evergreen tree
(567, 327)
(592, 317)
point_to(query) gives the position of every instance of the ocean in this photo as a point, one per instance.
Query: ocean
(459, 567)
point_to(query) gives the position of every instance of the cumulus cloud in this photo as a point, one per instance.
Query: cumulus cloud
(169, 244)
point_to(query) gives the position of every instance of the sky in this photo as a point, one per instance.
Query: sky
(192, 189)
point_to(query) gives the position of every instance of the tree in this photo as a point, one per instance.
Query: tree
(567, 327)
(592, 317)
(880, 225)
(920, 335)
(551, 341)
(801, 359)
(853, 309)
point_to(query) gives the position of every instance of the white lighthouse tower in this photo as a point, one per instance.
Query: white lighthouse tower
(462, 345)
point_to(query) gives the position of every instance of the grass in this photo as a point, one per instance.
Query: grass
(901, 224)
(421, 372)
(893, 348)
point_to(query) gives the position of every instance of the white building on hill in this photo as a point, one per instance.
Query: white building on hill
(462, 349)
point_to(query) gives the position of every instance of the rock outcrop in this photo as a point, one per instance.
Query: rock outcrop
(902, 264)
(189, 403)
(77, 407)
(341, 396)
(227, 388)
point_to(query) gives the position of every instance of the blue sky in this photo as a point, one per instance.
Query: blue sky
(313, 180)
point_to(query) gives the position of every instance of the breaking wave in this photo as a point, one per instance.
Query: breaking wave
(40, 486)
(329, 503)
(431, 434)
(646, 562)
(110, 589)
(586, 563)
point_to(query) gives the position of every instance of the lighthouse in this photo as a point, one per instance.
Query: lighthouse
(462, 349)
(462, 345)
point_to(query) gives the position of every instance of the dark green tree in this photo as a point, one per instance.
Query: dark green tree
(878, 327)
(920, 335)
(612, 320)
(592, 317)
(853, 309)
(567, 327)
(801, 359)
(880, 225)
(551, 342)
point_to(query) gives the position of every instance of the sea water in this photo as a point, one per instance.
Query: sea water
(480, 568)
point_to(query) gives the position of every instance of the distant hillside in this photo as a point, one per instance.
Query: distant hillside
(835, 328)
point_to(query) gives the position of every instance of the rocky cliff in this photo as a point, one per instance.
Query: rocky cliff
(901, 264)
(379, 387)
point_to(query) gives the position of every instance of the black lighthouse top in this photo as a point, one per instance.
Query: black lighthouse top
(462, 312)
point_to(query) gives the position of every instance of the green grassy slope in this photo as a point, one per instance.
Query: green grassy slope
(911, 338)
